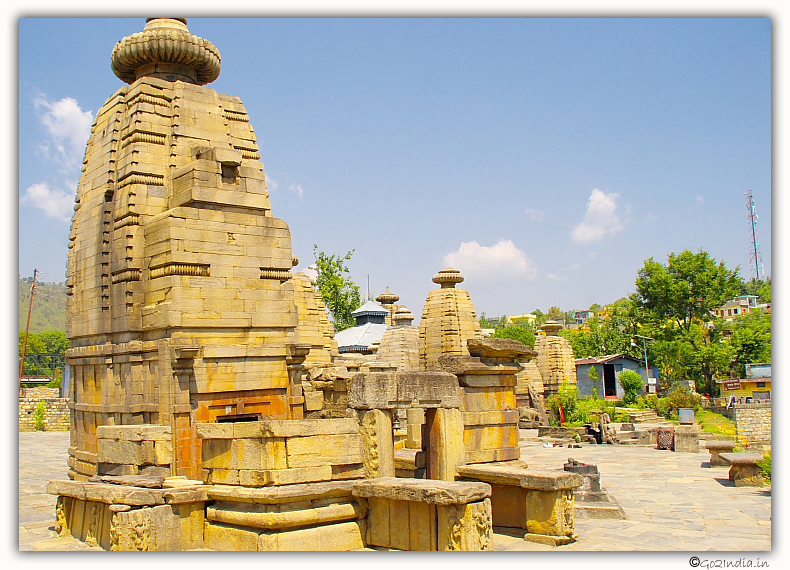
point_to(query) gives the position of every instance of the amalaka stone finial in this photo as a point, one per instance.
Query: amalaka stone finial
(402, 317)
(387, 298)
(167, 50)
(448, 277)
(551, 328)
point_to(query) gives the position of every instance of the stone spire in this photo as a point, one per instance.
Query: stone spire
(388, 300)
(555, 359)
(165, 49)
(448, 320)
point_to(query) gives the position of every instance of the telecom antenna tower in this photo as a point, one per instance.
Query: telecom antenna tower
(755, 256)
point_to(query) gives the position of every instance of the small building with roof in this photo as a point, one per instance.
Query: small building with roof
(755, 387)
(607, 372)
(369, 330)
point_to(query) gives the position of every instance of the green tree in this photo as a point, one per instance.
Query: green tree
(340, 294)
(687, 288)
(750, 340)
(759, 287)
(540, 318)
(684, 292)
(520, 333)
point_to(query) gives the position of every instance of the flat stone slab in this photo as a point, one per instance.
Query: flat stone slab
(389, 390)
(125, 495)
(283, 494)
(539, 480)
(149, 482)
(277, 428)
(741, 458)
(719, 444)
(499, 348)
(422, 490)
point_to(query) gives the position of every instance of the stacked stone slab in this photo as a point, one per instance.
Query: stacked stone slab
(448, 320)
(132, 450)
(488, 381)
(554, 359)
(180, 304)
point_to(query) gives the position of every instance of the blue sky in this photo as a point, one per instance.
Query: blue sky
(544, 158)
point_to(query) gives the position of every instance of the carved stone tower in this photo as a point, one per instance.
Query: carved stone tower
(180, 301)
(448, 320)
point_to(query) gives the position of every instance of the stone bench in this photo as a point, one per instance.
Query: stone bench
(124, 517)
(717, 446)
(427, 514)
(538, 501)
(744, 471)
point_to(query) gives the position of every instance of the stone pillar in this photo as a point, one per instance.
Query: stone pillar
(442, 440)
(415, 418)
(378, 448)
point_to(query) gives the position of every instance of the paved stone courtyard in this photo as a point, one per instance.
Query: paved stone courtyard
(673, 501)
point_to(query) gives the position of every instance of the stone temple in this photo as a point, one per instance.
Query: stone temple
(180, 295)
(211, 406)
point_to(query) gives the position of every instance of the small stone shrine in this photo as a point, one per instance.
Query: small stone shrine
(554, 359)
(448, 320)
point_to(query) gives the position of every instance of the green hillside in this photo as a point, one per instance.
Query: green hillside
(49, 306)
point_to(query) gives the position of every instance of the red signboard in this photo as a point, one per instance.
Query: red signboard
(732, 384)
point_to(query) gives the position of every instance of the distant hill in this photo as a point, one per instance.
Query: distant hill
(49, 306)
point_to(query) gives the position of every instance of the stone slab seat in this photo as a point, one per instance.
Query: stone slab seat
(538, 501)
(540, 480)
(127, 495)
(427, 514)
(744, 471)
(429, 491)
(716, 447)
(720, 445)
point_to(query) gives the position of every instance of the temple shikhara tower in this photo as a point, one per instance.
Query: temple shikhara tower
(180, 300)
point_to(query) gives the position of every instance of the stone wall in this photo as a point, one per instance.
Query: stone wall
(41, 392)
(56, 418)
(753, 421)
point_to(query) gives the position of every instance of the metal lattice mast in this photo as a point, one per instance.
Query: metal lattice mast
(755, 256)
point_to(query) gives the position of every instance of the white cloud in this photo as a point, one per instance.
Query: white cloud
(601, 218)
(554, 277)
(700, 201)
(536, 215)
(297, 188)
(68, 128)
(500, 260)
(56, 204)
(271, 183)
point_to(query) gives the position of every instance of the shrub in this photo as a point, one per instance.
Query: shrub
(632, 385)
(595, 394)
(765, 466)
(648, 402)
(678, 397)
(56, 383)
(567, 396)
(41, 409)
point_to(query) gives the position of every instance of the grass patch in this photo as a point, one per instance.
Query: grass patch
(712, 422)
